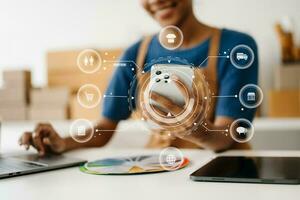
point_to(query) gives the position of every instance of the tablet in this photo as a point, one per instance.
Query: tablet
(276, 170)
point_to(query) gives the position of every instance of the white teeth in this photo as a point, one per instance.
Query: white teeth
(164, 8)
(170, 5)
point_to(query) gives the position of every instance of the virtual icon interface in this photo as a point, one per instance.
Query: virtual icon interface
(81, 130)
(251, 96)
(241, 130)
(242, 56)
(171, 37)
(171, 158)
(89, 61)
(89, 96)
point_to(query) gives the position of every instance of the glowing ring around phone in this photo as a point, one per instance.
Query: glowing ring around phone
(199, 113)
(179, 117)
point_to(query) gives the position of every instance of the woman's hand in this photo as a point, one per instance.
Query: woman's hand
(170, 109)
(217, 140)
(44, 139)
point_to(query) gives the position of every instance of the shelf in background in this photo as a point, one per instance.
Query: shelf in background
(277, 124)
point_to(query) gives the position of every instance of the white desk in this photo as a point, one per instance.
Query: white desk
(72, 184)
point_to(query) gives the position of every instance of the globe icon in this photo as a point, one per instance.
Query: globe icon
(171, 159)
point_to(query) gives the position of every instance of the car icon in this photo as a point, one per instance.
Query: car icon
(241, 56)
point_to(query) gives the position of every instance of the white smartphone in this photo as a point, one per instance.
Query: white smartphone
(161, 82)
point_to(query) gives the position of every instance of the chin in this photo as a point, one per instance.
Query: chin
(168, 22)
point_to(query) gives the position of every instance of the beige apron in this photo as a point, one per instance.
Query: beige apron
(161, 139)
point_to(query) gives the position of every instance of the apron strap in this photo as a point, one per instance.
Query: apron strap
(212, 64)
(142, 53)
(210, 71)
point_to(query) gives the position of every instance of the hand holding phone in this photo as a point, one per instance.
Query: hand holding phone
(170, 86)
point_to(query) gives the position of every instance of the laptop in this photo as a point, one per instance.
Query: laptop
(32, 163)
(239, 169)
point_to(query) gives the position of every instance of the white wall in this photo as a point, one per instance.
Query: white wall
(30, 28)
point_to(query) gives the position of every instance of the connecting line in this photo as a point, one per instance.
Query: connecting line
(120, 62)
(212, 57)
(112, 96)
(214, 130)
(98, 130)
(225, 96)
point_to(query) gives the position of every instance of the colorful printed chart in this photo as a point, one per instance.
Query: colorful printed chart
(130, 165)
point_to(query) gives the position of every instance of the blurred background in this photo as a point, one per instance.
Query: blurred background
(40, 42)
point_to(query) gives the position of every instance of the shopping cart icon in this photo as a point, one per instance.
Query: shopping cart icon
(89, 96)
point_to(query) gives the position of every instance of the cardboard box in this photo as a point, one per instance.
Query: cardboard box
(74, 82)
(50, 96)
(17, 79)
(16, 87)
(13, 96)
(48, 113)
(287, 77)
(284, 103)
(13, 112)
(79, 112)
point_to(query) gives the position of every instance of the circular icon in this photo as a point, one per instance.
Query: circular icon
(171, 158)
(241, 130)
(242, 56)
(81, 130)
(170, 37)
(89, 96)
(251, 96)
(89, 61)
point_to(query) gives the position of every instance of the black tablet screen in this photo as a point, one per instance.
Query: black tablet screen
(250, 169)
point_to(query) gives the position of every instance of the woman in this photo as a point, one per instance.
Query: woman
(199, 41)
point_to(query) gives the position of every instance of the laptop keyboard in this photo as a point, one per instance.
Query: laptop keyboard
(11, 165)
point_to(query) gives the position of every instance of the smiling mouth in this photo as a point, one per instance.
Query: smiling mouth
(165, 10)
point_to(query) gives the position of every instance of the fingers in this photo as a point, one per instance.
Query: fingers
(181, 86)
(46, 141)
(42, 138)
(166, 103)
(26, 140)
(161, 112)
(41, 131)
(193, 102)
